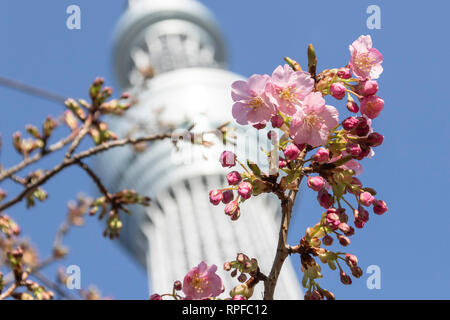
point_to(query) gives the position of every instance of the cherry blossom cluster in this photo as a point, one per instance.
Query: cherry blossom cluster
(313, 143)
(293, 102)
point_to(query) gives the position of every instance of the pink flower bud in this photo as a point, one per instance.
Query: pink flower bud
(352, 106)
(277, 121)
(327, 240)
(362, 214)
(359, 223)
(234, 178)
(366, 198)
(357, 272)
(291, 152)
(155, 296)
(337, 90)
(177, 285)
(374, 139)
(227, 266)
(325, 199)
(245, 189)
(238, 297)
(322, 155)
(228, 196)
(368, 88)
(282, 163)
(242, 277)
(345, 279)
(352, 260)
(227, 159)
(343, 240)
(259, 126)
(371, 106)
(350, 123)
(231, 208)
(344, 73)
(354, 149)
(215, 196)
(350, 232)
(333, 220)
(379, 207)
(316, 183)
(345, 228)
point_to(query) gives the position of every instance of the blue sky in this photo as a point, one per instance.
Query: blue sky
(410, 170)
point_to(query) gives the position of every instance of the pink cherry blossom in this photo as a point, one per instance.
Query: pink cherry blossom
(322, 155)
(337, 90)
(252, 105)
(316, 183)
(313, 122)
(202, 282)
(289, 88)
(365, 61)
(291, 152)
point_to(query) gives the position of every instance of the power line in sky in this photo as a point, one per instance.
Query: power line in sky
(31, 90)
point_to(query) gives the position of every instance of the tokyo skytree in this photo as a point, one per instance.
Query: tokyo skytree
(171, 56)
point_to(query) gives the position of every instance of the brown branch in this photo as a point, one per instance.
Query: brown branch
(67, 162)
(283, 249)
(26, 162)
(96, 180)
(9, 291)
(83, 132)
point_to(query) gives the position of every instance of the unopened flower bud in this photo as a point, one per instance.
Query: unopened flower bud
(343, 240)
(242, 290)
(238, 297)
(227, 159)
(374, 139)
(357, 272)
(344, 73)
(177, 285)
(337, 90)
(242, 277)
(245, 189)
(215, 196)
(231, 208)
(277, 121)
(379, 207)
(352, 106)
(291, 152)
(316, 183)
(366, 198)
(327, 240)
(322, 155)
(227, 266)
(325, 199)
(368, 88)
(350, 123)
(234, 178)
(345, 278)
(351, 260)
(228, 196)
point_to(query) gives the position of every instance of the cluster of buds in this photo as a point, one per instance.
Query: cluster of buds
(250, 182)
(116, 202)
(8, 227)
(100, 105)
(249, 276)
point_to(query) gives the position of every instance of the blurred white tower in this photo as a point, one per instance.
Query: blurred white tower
(179, 43)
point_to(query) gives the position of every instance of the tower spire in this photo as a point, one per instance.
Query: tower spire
(158, 36)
